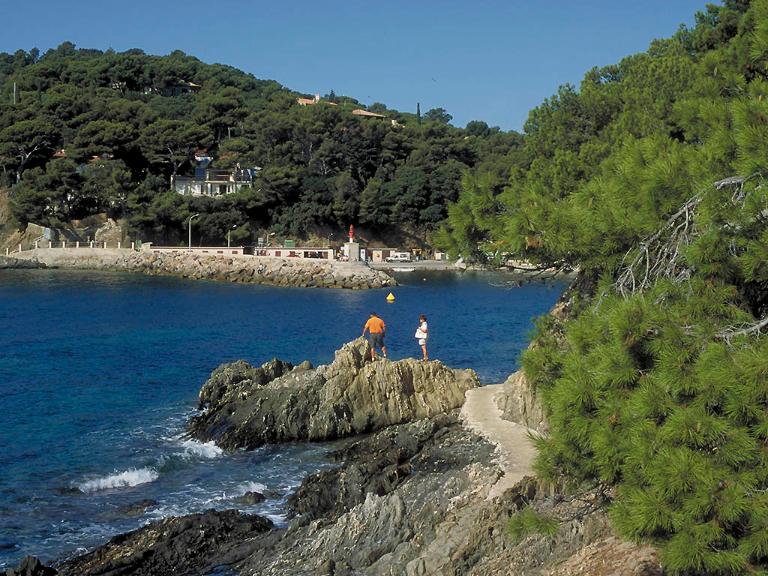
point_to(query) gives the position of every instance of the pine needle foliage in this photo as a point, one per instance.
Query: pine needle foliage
(658, 387)
(676, 419)
(527, 521)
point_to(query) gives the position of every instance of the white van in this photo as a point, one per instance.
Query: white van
(399, 257)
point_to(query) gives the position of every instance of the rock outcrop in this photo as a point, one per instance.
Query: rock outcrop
(246, 407)
(185, 545)
(257, 270)
(30, 566)
(412, 500)
(519, 403)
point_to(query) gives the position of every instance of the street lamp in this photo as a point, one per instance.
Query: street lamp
(230, 232)
(329, 239)
(189, 227)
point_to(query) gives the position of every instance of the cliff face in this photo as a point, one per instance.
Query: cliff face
(247, 407)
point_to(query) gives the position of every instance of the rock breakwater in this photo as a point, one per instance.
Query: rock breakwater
(257, 270)
(246, 407)
(9, 262)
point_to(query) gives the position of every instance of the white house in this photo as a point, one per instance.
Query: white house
(214, 182)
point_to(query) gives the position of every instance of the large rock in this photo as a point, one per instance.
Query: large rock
(30, 566)
(186, 545)
(246, 407)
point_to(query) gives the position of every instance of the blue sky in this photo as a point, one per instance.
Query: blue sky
(489, 60)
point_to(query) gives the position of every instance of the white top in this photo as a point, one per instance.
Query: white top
(422, 331)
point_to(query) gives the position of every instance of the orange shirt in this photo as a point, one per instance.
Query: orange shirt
(375, 325)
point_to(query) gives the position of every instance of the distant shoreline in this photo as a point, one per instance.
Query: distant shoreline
(519, 271)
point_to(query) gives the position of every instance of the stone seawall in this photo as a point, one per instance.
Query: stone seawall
(7, 262)
(249, 269)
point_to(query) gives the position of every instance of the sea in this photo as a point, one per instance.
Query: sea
(100, 371)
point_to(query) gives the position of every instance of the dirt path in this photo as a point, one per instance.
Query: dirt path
(514, 450)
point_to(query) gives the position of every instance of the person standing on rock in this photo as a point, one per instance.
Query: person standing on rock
(376, 328)
(422, 333)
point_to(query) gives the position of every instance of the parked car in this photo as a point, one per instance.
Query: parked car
(399, 257)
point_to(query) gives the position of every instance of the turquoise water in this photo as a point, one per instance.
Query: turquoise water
(100, 371)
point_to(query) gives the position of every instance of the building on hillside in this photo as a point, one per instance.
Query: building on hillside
(367, 113)
(179, 88)
(211, 182)
(312, 101)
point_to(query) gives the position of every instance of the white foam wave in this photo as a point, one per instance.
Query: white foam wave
(132, 477)
(250, 487)
(195, 449)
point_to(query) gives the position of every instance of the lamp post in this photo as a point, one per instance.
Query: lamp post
(230, 232)
(189, 227)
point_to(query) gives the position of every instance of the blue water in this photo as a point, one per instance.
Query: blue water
(100, 371)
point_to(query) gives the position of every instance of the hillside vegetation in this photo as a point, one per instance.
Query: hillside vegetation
(86, 131)
(651, 178)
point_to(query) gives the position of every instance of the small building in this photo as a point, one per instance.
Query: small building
(295, 252)
(212, 250)
(440, 255)
(312, 101)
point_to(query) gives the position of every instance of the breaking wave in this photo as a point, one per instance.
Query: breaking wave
(132, 477)
(195, 449)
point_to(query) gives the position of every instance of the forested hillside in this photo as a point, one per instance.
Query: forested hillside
(651, 178)
(85, 131)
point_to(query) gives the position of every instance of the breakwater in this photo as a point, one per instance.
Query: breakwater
(248, 269)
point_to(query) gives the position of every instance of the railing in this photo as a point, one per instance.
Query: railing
(70, 245)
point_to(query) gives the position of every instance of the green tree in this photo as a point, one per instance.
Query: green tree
(171, 143)
(26, 141)
(438, 115)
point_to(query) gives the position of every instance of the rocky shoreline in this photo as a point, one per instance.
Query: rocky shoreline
(246, 269)
(413, 493)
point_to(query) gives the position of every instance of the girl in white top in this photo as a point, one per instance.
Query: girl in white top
(422, 333)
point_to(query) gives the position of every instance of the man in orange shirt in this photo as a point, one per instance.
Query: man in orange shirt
(376, 328)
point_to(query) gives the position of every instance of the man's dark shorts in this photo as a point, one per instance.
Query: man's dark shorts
(377, 339)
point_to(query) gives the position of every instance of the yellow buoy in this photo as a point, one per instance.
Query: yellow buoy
(391, 297)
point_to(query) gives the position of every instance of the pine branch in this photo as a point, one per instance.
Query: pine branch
(743, 330)
(659, 256)
(530, 274)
